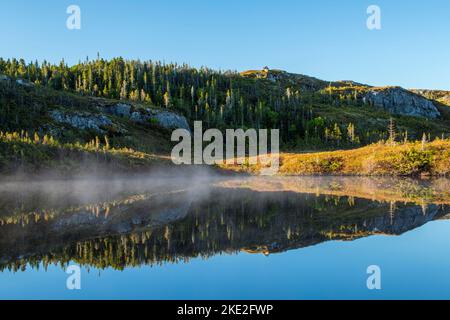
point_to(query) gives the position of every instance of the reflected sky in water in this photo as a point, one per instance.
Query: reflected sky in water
(238, 239)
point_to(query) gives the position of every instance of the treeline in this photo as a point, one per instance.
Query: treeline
(220, 99)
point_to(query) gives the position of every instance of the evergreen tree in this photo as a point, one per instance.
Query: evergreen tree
(392, 129)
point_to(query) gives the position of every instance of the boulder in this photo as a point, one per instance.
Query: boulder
(165, 119)
(24, 83)
(120, 110)
(400, 101)
(170, 120)
(140, 117)
(81, 120)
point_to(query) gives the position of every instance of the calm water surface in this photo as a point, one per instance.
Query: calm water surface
(255, 238)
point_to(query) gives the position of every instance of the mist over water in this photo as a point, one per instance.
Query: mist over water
(118, 224)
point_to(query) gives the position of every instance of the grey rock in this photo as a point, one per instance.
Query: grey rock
(120, 110)
(77, 220)
(405, 219)
(171, 120)
(165, 119)
(81, 121)
(139, 117)
(24, 83)
(400, 101)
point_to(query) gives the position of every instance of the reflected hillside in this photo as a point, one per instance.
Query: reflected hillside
(435, 191)
(130, 223)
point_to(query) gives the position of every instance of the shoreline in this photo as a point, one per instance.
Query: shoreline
(27, 157)
(410, 159)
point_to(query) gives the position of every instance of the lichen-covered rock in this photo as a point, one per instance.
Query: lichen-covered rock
(165, 119)
(170, 120)
(400, 101)
(81, 120)
(140, 117)
(120, 110)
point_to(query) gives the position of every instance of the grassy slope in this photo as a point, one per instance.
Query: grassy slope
(19, 152)
(28, 109)
(30, 155)
(406, 159)
(378, 120)
(143, 146)
(62, 148)
(364, 117)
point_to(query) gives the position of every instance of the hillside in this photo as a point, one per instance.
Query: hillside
(53, 114)
(71, 117)
(310, 113)
(395, 100)
(440, 96)
(43, 129)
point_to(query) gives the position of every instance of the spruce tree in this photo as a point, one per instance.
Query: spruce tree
(392, 128)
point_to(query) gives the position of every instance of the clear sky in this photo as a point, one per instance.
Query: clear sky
(324, 38)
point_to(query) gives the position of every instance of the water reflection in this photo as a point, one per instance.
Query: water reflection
(124, 223)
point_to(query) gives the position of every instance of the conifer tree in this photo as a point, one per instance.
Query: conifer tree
(392, 128)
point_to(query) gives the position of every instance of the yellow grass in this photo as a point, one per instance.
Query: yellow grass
(380, 159)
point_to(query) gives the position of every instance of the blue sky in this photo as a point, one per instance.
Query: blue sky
(322, 38)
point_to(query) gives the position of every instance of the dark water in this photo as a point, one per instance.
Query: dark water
(283, 238)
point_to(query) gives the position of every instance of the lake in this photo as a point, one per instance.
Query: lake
(226, 238)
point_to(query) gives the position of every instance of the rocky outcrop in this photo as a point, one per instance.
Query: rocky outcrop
(165, 119)
(25, 83)
(287, 79)
(120, 110)
(82, 121)
(400, 101)
(171, 120)
(21, 82)
(99, 122)
(393, 99)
